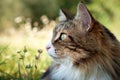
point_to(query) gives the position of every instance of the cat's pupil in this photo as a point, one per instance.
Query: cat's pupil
(63, 36)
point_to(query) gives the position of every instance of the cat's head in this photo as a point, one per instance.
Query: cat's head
(75, 39)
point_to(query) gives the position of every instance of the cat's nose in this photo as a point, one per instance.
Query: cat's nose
(48, 46)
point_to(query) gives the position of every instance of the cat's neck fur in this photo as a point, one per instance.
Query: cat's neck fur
(67, 71)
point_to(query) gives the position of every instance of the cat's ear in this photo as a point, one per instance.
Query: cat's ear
(62, 15)
(84, 16)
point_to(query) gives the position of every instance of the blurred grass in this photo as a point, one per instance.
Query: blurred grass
(19, 48)
(10, 59)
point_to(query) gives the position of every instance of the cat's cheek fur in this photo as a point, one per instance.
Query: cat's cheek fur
(51, 51)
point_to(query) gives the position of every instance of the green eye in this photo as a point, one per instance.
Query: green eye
(63, 36)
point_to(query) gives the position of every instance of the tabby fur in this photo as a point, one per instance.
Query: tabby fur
(83, 49)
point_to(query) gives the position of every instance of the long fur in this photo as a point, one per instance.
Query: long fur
(89, 52)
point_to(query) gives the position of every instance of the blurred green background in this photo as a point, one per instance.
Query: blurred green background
(26, 27)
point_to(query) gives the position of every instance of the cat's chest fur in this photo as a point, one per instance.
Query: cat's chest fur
(66, 73)
(70, 72)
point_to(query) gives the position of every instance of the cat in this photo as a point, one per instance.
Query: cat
(82, 49)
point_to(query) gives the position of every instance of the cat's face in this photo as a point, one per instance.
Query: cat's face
(71, 37)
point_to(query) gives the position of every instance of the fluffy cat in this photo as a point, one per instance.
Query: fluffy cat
(83, 49)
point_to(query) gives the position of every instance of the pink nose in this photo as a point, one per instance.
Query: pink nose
(48, 47)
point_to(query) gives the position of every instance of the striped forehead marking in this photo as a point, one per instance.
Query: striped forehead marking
(59, 30)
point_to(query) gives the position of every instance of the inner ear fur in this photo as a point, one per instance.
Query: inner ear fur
(84, 16)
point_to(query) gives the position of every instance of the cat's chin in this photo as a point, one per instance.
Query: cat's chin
(52, 54)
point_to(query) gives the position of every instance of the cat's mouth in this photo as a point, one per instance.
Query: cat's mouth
(55, 54)
(56, 57)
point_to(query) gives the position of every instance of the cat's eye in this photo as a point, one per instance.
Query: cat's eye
(63, 36)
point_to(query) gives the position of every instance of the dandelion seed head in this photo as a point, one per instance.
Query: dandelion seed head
(40, 51)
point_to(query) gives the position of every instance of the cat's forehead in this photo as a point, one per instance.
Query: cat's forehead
(64, 25)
